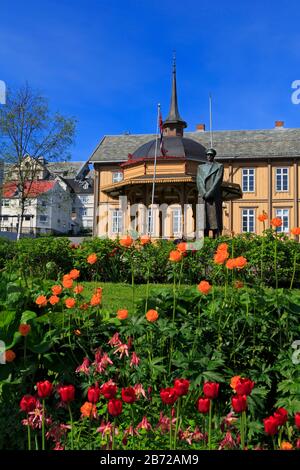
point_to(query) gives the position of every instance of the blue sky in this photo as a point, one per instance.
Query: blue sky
(108, 62)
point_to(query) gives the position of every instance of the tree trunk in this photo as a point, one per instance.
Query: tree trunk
(20, 225)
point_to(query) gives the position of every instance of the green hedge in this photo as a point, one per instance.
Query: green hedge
(48, 257)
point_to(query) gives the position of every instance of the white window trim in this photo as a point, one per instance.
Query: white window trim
(177, 210)
(248, 190)
(117, 172)
(288, 179)
(121, 221)
(242, 215)
(148, 212)
(280, 209)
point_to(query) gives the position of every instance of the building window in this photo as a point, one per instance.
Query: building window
(5, 202)
(44, 203)
(248, 217)
(43, 219)
(282, 179)
(150, 220)
(248, 180)
(284, 215)
(5, 217)
(116, 221)
(27, 217)
(177, 222)
(117, 176)
(82, 211)
(84, 199)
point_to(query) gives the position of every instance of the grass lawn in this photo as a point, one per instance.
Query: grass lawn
(116, 296)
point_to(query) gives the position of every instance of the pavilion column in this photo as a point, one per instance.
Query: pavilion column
(296, 205)
(230, 202)
(183, 214)
(270, 198)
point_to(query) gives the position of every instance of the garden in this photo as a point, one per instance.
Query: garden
(139, 344)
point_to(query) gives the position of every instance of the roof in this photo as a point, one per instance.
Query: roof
(66, 169)
(32, 189)
(257, 144)
(85, 186)
(174, 147)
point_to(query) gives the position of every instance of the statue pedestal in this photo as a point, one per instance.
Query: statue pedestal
(200, 219)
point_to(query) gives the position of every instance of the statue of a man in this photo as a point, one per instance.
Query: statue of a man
(209, 180)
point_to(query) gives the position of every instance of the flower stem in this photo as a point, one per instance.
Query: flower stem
(71, 421)
(294, 270)
(209, 425)
(171, 429)
(275, 263)
(177, 422)
(29, 437)
(242, 429)
(43, 426)
(132, 417)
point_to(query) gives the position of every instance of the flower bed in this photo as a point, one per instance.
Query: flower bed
(200, 367)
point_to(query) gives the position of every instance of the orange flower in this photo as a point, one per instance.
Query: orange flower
(54, 299)
(222, 247)
(286, 446)
(9, 355)
(70, 302)
(238, 284)
(276, 222)
(77, 332)
(262, 217)
(182, 247)
(41, 301)
(152, 315)
(91, 259)
(84, 306)
(145, 239)
(24, 329)
(98, 291)
(126, 241)
(204, 287)
(56, 290)
(78, 289)
(67, 281)
(295, 231)
(74, 274)
(122, 314)
(95, 300)
(175, 256)
(220, 257)
(88, 410)
(240, 262)
(230, 263)
(234, 381)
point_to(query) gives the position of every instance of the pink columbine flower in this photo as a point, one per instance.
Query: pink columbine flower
(135, 360)
(122, 350)
(84, 368)
(228, 442)
(186, 435)
(139, 391)
(35, 418)
(101, 361)
(198, 435)
(115, 340)
(144, 424)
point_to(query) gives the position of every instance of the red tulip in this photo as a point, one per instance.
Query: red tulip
(93, 394)
(239, 403)
(211, 390)
(281, 415)
(203, 405)
(128, 395)
(297, 420)
(181, 386)
(67, 393)
(168, 395)
(244, 386)
(109, 390)
(114, 407)
(44, 389)
(271, 425)
(28, 403)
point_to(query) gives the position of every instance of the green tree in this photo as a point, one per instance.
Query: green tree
(28, 128)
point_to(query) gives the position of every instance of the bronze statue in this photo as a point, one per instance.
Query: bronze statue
(209, 180)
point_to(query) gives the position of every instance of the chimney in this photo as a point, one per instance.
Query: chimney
(279, 124)
(200, 127)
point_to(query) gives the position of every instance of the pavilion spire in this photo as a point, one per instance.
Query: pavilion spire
(174, 120)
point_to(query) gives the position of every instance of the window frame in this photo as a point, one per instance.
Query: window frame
(119, 224)
(179, 219)
(281, 176)
(249, 217)
(117, 180)
(247, 176)
(281, 209)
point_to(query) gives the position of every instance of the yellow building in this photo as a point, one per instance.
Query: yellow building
(261, 173)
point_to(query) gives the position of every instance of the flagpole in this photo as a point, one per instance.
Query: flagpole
(154, 171)
(210, 121)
